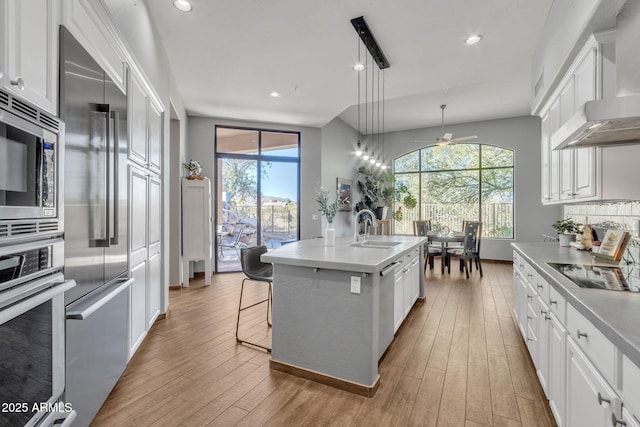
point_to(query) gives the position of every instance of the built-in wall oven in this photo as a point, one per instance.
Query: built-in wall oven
(32, 334)
(30, 152)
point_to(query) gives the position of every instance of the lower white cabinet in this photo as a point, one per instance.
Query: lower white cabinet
(406, 287)
(590, 399)
(542, 360)
(556, 368)
(398, 296)
(145, 253)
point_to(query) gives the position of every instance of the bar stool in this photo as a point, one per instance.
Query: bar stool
(256, 270)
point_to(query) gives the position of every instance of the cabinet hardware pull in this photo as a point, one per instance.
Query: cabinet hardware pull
(544, 313)
(552, 302)
(529, 296)
(540, 286)
(615, 421)
(529, 275)
(529, 339)
(547, 317)
(529, 318)
(602, 399)
(581, 334)
(18, 82)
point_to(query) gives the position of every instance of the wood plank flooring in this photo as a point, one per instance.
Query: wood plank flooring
(458, 360)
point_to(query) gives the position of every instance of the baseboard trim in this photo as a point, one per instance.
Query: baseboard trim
(175, 287)
(351, 387)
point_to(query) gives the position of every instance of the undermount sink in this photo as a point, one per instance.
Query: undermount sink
(376, 244)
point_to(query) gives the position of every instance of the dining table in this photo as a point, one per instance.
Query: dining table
(445, 239)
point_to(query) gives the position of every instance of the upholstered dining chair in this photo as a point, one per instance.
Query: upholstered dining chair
(421, 228)
(470, 250)
(256, 270)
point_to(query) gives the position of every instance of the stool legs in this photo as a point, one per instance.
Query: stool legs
(268, 300)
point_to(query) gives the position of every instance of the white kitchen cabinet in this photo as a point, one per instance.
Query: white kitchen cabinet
(196, 226)
(398, 296)
(627, 418)
(578, 173)
(146, 126)
(29, 50)
(556, 369)
(589, 398)
(145, 253)
(544, 331)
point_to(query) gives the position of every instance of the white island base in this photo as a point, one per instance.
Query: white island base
(326, 329)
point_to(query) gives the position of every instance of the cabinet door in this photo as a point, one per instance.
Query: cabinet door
(520, 306)
(415, 279)
(584, 172)
(544, 328)
(566, 174)
(30, 70)
(138, 313)
(585, 79)
(546, 159)
(138, 102)
(154, 284)
(556, 374)
(629, 419)
(155, 137)
(138, 215)
(398, 297)
(154, 288)
(567, 101)
(589, 398)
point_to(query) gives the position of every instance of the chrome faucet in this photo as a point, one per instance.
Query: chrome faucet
(372, 219)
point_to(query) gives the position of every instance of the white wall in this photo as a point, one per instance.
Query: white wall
(521, 134)
(200, 147)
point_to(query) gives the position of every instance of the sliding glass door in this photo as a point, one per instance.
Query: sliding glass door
(257, 191)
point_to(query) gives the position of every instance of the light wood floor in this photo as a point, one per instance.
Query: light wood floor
(458, 360)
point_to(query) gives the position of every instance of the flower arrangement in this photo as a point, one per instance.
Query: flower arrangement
(328, 209)
(194, 169)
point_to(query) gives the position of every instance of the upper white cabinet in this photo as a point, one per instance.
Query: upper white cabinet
(29, 50)
(145, 146)
(572, 175)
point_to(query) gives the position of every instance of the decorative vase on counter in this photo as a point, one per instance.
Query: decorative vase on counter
(330, 235)
(566, 239)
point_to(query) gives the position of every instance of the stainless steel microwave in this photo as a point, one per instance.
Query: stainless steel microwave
(29, 161)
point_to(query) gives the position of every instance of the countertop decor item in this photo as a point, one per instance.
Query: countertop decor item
(566, 229)
(194, 168)
(329, 210)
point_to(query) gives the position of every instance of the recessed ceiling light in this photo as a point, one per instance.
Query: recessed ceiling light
(473, 39)
(182, 5)
(275, 94)
(358, 67)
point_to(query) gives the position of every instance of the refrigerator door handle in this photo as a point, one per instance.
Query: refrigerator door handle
(87, 308)
(102, 241)
(116, 177)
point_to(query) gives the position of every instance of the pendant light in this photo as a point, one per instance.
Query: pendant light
(359, 68)
(384, 166)
(372, 160)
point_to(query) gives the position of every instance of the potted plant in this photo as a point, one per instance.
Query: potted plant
(566, 229)
(380, 190)
(194, 168)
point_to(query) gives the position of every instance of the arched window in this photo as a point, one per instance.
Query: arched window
(458, 182)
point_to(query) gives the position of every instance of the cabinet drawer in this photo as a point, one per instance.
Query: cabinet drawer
(530, 273)
(557, 305)
(595, 345)
(631, 384)
(542, 287)
(516, 260)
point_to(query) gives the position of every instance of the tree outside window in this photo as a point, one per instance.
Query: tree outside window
(460, 182)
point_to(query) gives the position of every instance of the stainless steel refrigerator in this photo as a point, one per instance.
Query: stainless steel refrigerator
(95, 222)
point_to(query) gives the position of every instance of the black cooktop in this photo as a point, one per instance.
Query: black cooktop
(623, 278)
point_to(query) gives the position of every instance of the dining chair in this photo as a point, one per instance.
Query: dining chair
(470, 250)
(256, 270)
(422, 228)
(234, 244)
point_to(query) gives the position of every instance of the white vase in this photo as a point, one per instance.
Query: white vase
(565, 239)
(330, 235)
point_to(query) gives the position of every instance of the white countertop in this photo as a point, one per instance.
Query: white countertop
(313, 253)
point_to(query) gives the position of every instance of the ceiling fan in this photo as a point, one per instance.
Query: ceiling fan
(447, 138)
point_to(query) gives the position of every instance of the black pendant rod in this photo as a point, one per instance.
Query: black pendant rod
(361, 27)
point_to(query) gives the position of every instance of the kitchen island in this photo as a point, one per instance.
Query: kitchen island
(336, 308)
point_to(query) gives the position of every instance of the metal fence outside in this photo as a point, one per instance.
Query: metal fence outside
(497, 218)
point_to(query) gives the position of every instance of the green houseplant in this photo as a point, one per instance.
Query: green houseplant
(380, 189)
(566, 229)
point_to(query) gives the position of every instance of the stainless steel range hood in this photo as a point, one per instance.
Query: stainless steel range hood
(615, 120)
(612, 121)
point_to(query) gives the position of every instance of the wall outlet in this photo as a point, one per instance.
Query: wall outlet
(355, 285)
(314, 217)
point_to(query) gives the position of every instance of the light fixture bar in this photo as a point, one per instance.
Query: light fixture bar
(361, 27)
